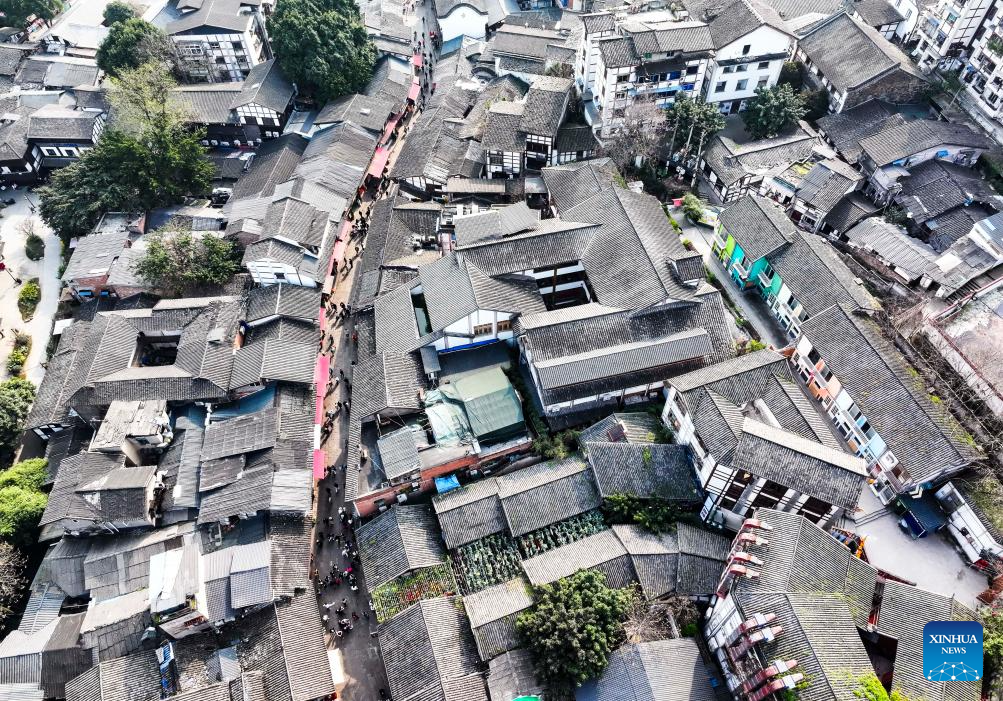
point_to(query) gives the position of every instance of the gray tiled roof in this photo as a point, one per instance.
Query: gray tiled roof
(248, 494)
(826, 184)
(369, 112)
(401, 539)
(732, 161)
(833, 476)
(399, 453)
(817, 275)
(492, 614)
(572, 183)
(910, 256)
(758, 225)
(291, 540)
(924, 437)
(630, 427)
(293, 301)
(211, 15)
(512, 675)
(877, 13)
(646, 471)
(821, 594)
(546, 103)
(206, 103)
(430, 654)
(851, 54)
(240, 435)
(602, 551)
(662, 670)
(851, 209)
(303, 647)
(53, 122)
(387, 380)
(935, 187)
(537, 496)
(848, 127)
(132, 678)
(265, 85)
(898, 141)
(469, 513)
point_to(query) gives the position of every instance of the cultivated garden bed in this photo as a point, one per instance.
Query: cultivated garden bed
(426, 583)
(485, 562)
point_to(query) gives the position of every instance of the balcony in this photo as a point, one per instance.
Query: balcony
(764, 281)
(718, 240)
(741, 270)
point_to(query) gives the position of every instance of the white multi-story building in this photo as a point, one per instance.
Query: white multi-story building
(947, 29)
(220, 40)
(751, 44)
(627, 58)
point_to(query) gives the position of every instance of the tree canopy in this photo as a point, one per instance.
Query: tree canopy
(773, 110)
(150, 158)
(322, 46)
(21, 502)
(573, 627)
(118, 11)
(16, 396)
(131, 43)
(179, 261)
(639, 138)
(17, 12)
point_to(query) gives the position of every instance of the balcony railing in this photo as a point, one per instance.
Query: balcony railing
(740, 269)
(764, 280)
(718, 241)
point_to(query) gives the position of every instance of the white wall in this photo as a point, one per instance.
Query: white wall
(463, 20)
(764, 41)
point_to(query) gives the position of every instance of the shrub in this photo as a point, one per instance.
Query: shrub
(16, 361)
(655, 515)
(28, 298)
(34, 247)
(693, 208)
(28, 474)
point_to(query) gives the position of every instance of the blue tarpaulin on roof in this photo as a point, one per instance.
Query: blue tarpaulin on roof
(446, 484)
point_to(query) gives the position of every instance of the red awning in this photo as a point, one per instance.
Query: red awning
(416, 60)
(319, 460)
(415, 90)
(389, 129)
(378, 163)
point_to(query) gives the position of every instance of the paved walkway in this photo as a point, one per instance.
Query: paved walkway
(46, 270)
(753, 308)
(932, 562)
(358, 648)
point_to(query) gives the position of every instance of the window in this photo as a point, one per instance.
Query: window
(720, 87)
(746, 49)
(675, 75)
(482, 329)
(691, 70)
(742, 68)
(505, 325)
(763, 82)
(742, 85)
(763, 65)
(50, 151)
(280, 276)
(729, 69)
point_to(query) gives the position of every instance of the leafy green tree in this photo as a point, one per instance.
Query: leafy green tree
(131, 43)
(772, 111)
(693, 208)
(16, 396)
(17, 12)
(691, 125)
(178, 262)
(27, 474)
(816, 104)
(20, 511)
(28, 298)
(322, 46)
(573, 627)
(790, 74)
(118, 11)
(150, 158)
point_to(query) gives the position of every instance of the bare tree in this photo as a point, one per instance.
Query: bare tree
(12, 580)
(640, 136)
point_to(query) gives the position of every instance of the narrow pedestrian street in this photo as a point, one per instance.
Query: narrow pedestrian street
(350, 622)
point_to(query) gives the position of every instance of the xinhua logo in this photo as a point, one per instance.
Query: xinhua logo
(952, 651)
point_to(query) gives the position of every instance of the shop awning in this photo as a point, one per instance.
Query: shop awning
(415, 90)
(379, 162)
(416, 60)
